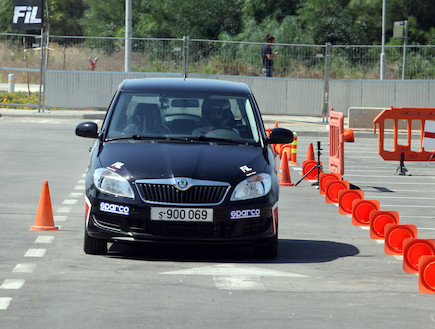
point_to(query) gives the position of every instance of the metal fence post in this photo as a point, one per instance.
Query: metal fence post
(185, 56)
(326, 83)
(405, 43)
(41, 72)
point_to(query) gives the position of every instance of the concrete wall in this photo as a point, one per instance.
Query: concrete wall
(85, 89)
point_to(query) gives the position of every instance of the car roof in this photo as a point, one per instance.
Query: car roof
(184, 85)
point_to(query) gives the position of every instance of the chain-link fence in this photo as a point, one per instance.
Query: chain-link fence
(20, 54)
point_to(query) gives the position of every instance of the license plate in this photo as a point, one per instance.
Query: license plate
(182, 214)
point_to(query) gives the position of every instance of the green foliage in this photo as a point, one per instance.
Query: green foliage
(290, 21)
(196, 18)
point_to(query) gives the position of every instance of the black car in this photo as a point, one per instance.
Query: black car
(182, 161)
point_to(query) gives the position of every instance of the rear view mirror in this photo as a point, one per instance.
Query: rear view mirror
(280, 136)
(87, 129)
(185, 103)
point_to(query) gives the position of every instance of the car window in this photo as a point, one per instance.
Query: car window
(180, 115)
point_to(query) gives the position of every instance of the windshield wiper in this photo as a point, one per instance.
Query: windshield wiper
(217, 140)
(204, 139)
(136, 137)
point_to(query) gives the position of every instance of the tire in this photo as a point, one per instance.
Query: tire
(93, 246)
(267, 250)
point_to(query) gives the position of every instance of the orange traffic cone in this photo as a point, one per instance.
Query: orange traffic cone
(395, 234)
(310, 153)
(348, 136)
(276, 124)
(426, 277)
(345, 199)
(378, 220)
(284, 174)
(413, 249)
(361, 211)
(44, 216)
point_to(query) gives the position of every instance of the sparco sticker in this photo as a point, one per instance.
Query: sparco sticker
(114, 208)
(246, 213)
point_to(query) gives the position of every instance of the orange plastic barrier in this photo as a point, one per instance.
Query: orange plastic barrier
(426, 274)
(361, 211)
(407, 114)
(325, 177)
(345, 199)
(332, 189)
(378, 220)
(336, 142)
(413, 249)
(395, 234)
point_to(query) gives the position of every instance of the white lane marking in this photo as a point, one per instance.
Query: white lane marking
(365, 228)
(12, 284)
(60, 218)
(81, 181)
(70, 201)
(388, 176)
(378, 183)
(398, 257)
(64, 210)
(232, 277)
(407, 205)
(79, 187)
(24, 268)
(44, 239)
(380, 241)
(398, 197)
(233, 270)
(238, 283)
(4, 302)
(33, 252)
(75, 194)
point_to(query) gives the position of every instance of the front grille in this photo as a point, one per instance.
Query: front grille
(170, 194)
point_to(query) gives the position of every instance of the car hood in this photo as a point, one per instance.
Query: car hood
(144, 160)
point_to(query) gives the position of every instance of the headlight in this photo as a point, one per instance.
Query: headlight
(252, 187)
(110, 182)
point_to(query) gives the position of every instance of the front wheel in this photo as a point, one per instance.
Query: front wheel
(93, 246)
(267, 250)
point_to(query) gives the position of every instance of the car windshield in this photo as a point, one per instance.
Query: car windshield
(180, 116)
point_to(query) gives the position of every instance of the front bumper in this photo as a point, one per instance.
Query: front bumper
(137, 227)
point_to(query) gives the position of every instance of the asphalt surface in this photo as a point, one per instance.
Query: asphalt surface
(328, 274)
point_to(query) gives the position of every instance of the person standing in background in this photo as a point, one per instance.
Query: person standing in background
(267, 56)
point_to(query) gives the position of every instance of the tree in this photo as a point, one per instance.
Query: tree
(329, 21)
(103, 18)
(195, 18)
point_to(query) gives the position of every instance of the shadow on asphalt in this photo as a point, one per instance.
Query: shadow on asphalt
(290, 251)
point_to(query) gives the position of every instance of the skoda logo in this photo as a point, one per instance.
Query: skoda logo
(182, 184)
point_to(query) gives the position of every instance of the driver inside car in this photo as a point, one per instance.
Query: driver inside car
(217, 114)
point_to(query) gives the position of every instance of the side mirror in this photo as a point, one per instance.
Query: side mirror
(280, 136)
(87, 129)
